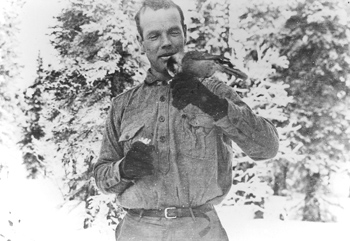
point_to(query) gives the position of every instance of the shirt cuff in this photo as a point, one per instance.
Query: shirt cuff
(117, 184)
(231, 119)
(117, 171)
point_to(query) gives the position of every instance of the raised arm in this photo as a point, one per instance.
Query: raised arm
(255, 135)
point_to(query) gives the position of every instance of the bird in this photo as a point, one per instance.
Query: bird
(202, 65)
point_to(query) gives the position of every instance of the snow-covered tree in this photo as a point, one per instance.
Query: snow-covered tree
(96, 42)
(9, 67)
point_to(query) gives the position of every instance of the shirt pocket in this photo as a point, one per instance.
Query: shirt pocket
(198, 136)
(130, 134)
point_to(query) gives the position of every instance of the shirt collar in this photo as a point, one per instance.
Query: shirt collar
(152, 80)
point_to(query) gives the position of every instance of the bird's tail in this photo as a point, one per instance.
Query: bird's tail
(235, 72)
(224, 61)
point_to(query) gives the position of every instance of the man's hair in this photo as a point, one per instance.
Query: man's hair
(156, 5)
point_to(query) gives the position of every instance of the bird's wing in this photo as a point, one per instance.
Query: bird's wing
(225, 65)
(217, 58)
(205, 56)
(222, 62)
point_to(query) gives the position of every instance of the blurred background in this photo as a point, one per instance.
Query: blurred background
(61, 62)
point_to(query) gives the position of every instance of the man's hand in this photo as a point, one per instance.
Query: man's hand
(138, 161)
(189, 90)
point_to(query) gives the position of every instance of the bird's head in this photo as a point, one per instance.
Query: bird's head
(174, 64)
(178, 61)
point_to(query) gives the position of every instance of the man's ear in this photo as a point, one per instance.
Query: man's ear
(140, 40)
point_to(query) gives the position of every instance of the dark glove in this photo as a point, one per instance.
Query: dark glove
(189, 90)
(138, 161)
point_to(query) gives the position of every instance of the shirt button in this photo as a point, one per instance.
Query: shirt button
(162, 98)
(184, 116)
(161, 119)
(162, 139)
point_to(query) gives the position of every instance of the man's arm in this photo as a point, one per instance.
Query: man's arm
(106, 170)
(255, 135)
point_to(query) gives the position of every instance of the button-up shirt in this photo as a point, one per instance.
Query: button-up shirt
(193, 154)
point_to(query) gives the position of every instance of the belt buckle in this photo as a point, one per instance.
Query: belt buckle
(166, 213)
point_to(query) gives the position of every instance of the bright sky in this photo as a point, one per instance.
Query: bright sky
(37, 17)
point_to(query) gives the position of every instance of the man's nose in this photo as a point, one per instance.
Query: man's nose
(166, 42)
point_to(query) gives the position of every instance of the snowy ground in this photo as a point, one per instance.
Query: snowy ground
(37, 206)
(37, 215)
(243, 229)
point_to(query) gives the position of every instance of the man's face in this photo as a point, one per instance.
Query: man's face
(162, 37)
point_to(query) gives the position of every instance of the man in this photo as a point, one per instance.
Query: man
(165, 151)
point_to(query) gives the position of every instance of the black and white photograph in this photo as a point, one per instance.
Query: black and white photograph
(174, 120)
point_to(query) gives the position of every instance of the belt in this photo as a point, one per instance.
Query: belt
(173, 212)
(177, 212)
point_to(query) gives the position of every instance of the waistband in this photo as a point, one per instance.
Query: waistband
(173, 212)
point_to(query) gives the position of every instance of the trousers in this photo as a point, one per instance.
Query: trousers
(134, 228)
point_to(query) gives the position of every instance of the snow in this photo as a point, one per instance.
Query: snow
(38, 212)
(242, 228)
(38, 206)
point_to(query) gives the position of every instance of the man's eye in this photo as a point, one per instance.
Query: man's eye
(153, 37)
(175, 33)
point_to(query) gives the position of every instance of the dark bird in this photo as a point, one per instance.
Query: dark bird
(202, 65)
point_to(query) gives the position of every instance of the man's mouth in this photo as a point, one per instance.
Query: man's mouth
(167, 56)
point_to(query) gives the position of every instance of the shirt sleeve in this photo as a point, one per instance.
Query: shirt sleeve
(255, 135)
(106, 170)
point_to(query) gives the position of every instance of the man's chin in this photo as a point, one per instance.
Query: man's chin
(161, 72)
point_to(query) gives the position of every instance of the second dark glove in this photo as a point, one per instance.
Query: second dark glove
(138, 161)
(189, 90)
